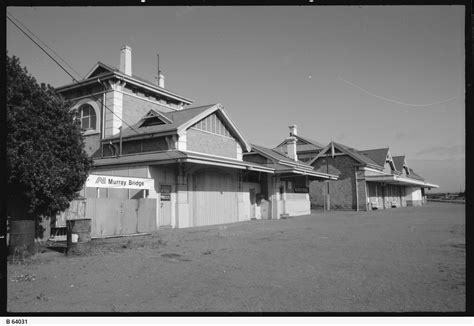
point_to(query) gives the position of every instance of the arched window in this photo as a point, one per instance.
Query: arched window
(87, 116)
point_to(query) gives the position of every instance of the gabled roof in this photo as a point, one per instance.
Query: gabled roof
(103, 70)
(277, 156)
(310, 141)
(283, 164)
(356, 155)
(154, 115)
(303, 144)
(399, 162)
(177, 119)
(413, 175)
(378, 155)
(180, 121)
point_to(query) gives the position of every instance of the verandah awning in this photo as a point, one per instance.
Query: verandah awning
(400, 180)
(175, 156)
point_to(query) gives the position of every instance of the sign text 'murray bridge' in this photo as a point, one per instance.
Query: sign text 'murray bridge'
(105, 181)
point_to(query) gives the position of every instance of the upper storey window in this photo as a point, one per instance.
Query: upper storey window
(87, 117)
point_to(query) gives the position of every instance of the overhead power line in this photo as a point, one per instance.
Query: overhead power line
(395, 101)
(67, 72)
(64, 69)
(64, 61)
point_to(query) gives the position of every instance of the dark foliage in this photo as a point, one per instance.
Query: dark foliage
(46, 161)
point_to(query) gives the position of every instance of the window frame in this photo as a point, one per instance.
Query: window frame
(93, 112)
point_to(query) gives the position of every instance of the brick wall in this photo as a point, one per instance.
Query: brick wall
(135, 108)
(92, 144)
(83, 91)
(362, 191)
(341, 191)
(204, 142)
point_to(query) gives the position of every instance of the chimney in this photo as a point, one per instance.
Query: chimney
(291, 148)
(161, 80)
(126, 60)
(293, 131)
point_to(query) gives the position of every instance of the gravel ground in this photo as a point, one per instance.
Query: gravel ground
(397, 260)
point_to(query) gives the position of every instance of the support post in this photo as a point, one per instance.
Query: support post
(356, 189)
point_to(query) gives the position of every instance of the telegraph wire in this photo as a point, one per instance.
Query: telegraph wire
(67, 72)
(64, 69)
(394, 101)
(19, 22)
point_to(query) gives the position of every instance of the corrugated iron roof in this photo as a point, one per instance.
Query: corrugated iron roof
(378, 155)
(280, 157)
(171, 156)
(414, 175)
(143, 80)
(398, 161)
(358, 156)
(303, 144)
(140, 158)
(177, 117)
(316, 144)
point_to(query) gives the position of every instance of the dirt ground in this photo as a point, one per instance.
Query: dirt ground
(397, 260)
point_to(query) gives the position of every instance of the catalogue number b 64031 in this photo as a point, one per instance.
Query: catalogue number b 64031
(16, 321)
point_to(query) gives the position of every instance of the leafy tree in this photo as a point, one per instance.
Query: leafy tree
(46, 161)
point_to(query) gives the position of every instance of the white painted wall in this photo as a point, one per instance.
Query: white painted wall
(245, 209)
(413, 194)
(297, 204)
(114, 101)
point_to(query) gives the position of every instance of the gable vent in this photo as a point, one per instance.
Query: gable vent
(152, 121)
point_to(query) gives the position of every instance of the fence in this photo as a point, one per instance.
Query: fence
(112, 216)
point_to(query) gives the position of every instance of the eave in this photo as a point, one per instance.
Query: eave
(175, 156)
(128, 79)
(400, 180)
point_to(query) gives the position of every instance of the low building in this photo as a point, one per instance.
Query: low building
(159, 162)
(367, 179)
(291, 179)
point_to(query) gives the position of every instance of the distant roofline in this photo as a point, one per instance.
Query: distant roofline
(257, 149)
(312, 142)
(352, 152)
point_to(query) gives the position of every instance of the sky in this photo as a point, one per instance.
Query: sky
(364, 76)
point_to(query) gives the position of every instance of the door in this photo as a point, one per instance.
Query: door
(253, 200)
(165, 205)
(215, 198)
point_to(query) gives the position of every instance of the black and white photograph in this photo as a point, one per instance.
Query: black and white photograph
(238, 160)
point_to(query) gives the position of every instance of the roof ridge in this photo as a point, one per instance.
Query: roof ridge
(289, 159)
(107, 65)
(374, 149)
(197, 107)
(309, 140)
